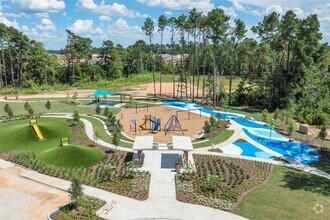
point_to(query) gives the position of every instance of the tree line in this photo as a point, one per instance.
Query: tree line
(285, 66)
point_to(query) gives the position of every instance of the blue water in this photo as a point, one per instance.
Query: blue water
(250, 150)
(294, 150)
(248, 123)
(266, 133)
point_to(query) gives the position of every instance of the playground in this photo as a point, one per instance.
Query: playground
(190, 122)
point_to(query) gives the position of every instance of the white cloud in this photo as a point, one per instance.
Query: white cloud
(115, 9)
(184, 5)
(104, 18)
(42, 15)
(40, 6)
(121, 24)
(46, 25)
(7, 22)
(237, 6)
(274, 8)
(168, 13)
(86, 4)
(305, 4)
(229, 11)
(82, 26)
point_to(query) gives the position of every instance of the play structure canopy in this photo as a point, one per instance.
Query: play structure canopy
(143, 143)
(182, 143)
(102, 92)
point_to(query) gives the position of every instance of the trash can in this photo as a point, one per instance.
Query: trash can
(177, 167)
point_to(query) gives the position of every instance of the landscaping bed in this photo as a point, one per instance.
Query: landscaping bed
(85, 208)
(220, 182)
(115, 173)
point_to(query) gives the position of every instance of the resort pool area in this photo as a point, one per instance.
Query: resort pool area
(293, 150)
(259, 132)
(104, 103)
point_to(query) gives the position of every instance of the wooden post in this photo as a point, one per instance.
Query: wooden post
(185, 156)
(139, 156)
(147, 107)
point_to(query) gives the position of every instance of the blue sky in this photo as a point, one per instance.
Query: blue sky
(120, 21)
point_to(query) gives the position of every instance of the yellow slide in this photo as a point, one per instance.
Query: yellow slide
(146, 118)
(38, 132)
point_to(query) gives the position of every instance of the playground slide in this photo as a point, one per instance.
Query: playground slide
(38, 132)
(143, 123)
(155, 128)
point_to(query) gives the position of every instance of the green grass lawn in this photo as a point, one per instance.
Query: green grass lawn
(223, 136)
(101, 134)
(289, 194)
(19, 136)
(56, 106)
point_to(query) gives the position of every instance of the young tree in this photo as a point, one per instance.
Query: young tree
(217, 23)
(6, 107)
(76, 191)
(26, 106)
(116, 138)
(148, 29)
(264, 115)
(290, 127)
(106, 112)
(10, 113)
(48, 105)
(76, 117)
(323, 134)
(98, 109)
(30, 110)
(162, 21)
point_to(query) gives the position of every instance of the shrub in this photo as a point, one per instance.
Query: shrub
(106, 112)
(48, 105)
(264, 115)
(6, 107)
(98, 109)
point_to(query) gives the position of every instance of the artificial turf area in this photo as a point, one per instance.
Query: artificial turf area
(289, 194)
(222, 137)
(18, 136)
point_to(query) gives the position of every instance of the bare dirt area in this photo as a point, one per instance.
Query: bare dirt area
(192, 127)
(167, 88)
(21, 198)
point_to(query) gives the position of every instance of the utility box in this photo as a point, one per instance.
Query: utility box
(303, 129)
